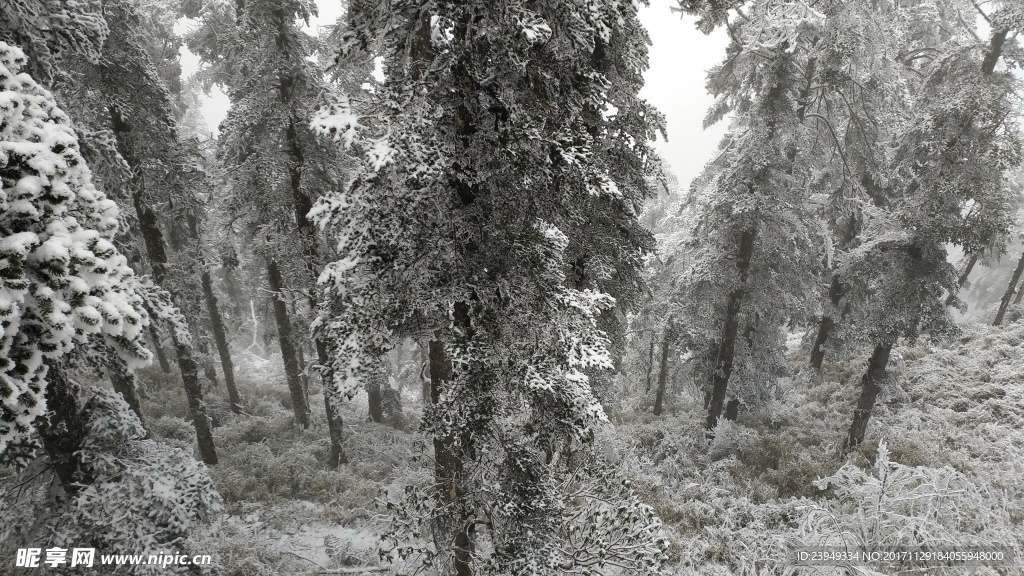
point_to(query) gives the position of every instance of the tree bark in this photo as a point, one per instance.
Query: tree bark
(157, 252)
(400, 354)
(962, 279)
(871, 385)
(835, 295)
(448, 468)
(126, 385)
(732, 409)
(194, 393)
(375, 394)
(424, 371)
(203, 349)
(221, 339)
(335, 428)
(229, 272)
(659, 396)
(1005, 302)
(727, 345)
(62, 430)
(300, 356)
(995, 50)
(158, 347)
(650, 366)
(284, 337)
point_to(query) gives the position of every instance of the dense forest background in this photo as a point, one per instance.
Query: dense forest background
(428, 300)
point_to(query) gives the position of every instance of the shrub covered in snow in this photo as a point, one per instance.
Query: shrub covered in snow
(145, 499)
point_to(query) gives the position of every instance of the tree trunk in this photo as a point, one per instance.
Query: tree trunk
(650, 366)
(300, 356)
(424, 374)
(203, 351)
(400, 354)
(284, 337)
(221, 339)
(835, 295)
(995, 49)
(125, 384)
(194, 393)
(1020, 293)
(732, 409)
(335, 422)
(158, 347)
(302, 204)
(659, 397)
(335, 425)
(727, 346)
(229, 275)
(871, 385)
(186, 362)
(62, 430)
(157, 252)
(375, 393)
(962, 279)
(448, 470)
(1005, 302)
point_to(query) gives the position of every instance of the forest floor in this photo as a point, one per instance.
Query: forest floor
(951, 416)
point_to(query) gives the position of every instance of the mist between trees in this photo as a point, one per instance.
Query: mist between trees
(462, 319)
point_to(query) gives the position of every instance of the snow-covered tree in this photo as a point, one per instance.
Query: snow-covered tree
(164, 172)
(49, 30)
(118, 99)
(68, 296)
(947, 186)
(757, 238)
(487, 151)
(824, 178)
(276, 164)
(64, 283)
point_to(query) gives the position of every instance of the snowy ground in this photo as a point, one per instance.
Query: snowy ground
(953, 415)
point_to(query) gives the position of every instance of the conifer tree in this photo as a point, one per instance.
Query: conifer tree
(952, 160)
(756, 239)
(64, 284)
(68, 299)
(278, 166)
(486, 152)
(121, 105)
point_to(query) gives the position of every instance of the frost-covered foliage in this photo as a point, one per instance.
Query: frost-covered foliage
(145, 498)
(260, 54)
(604, 526)
(945, 183)
(50, 29)
(495, 213)
(896, 506)
(865, 139)
(952, 463)
(63, 284)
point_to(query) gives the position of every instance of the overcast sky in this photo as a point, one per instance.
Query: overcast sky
(680, 56)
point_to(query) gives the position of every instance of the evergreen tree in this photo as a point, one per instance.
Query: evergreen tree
(757, 237)
(69, 299)
(486, 152)
(952, 160)
(64, 283)
(277, 165)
